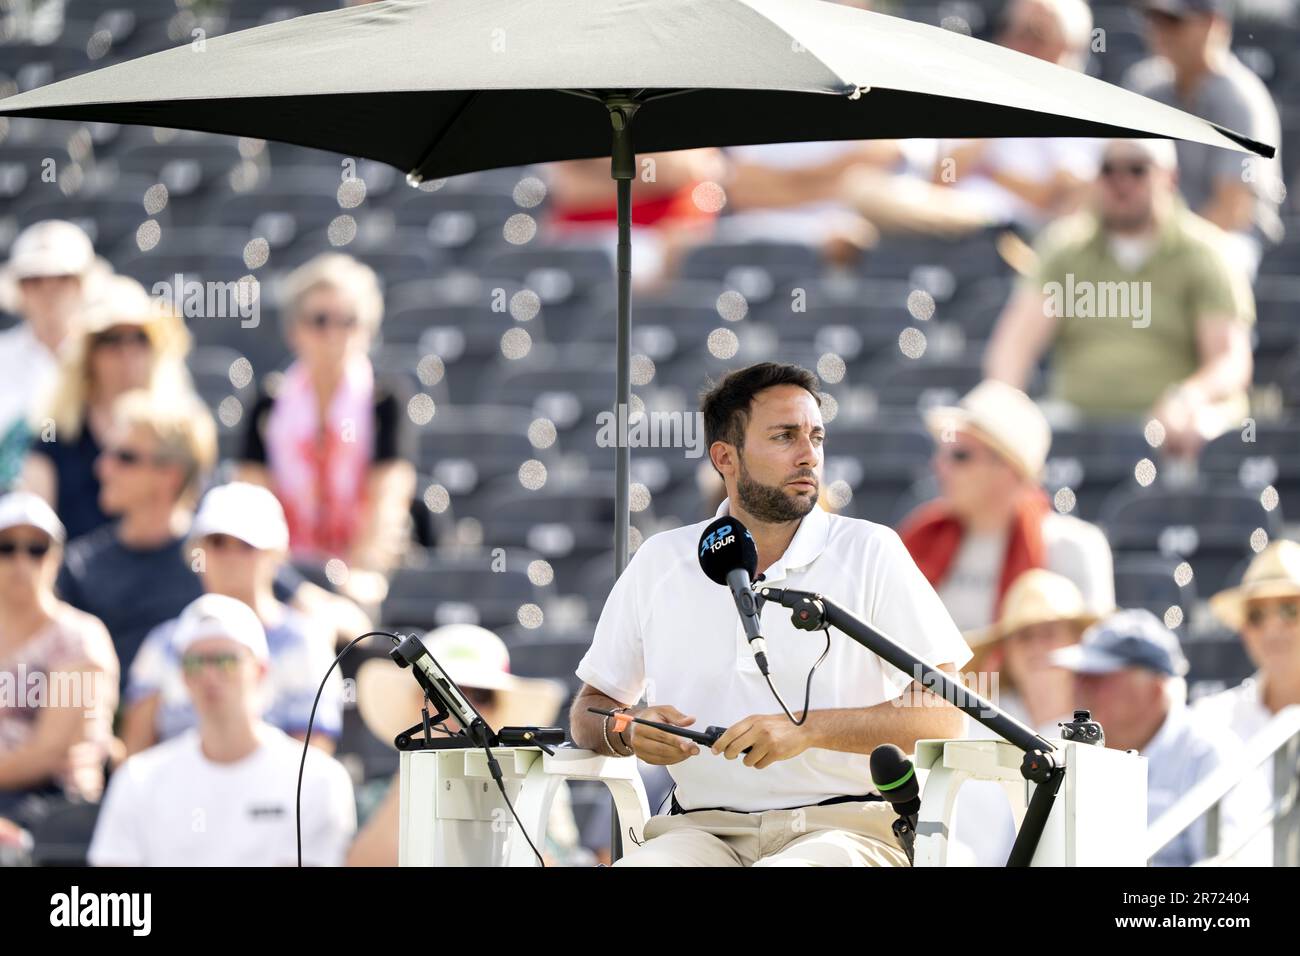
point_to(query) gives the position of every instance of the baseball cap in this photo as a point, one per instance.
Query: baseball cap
(21, 508)
(216, 615)
(1183, 8)
(245, 511)
(53, 247)
(1129, 638)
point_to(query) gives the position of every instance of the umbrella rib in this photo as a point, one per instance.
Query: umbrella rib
(442, 133)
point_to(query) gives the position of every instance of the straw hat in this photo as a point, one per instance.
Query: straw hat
(1002, 416)
(1275, 572)
(389, 698)
(121, 300)
(1036, 597)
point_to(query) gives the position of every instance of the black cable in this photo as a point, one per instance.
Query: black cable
(807, 690)
(311, 720)
(495, 769)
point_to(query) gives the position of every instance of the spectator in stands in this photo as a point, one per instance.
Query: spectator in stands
(1195, 70)
(127, 341)
(674, 205)
(993, 521)
(1265, 610)
(51, 269)
(389, 700)
(1129, 674)
(332, 441)
(56, 730)
(1143, 314)
(133, 574)
(239, 538)
(1029, 181)
(1042, 613)
(222, 793)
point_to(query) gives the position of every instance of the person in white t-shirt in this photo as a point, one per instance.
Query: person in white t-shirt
(993, 521)
(223, 793)
(801, 795)
(52, 268)
(1265, 610)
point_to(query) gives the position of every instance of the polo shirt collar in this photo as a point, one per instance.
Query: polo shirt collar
(1168, 235)
(805, 547)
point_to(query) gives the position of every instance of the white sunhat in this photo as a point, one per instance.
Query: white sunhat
(22, 508)
(388, 697)
(219, 616)
(245, 511)
(1005, 418)
(53, 247)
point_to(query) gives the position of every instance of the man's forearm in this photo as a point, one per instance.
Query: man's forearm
(587, 729)
(862, 730)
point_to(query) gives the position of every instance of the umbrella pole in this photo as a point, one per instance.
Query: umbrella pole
(622, 170)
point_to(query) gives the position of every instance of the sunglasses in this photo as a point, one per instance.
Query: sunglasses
(323, 320)
(131, 458)
(32, 549)
(136, 339)
(1136, 169)
(194, 664)
(1287, 611)
(957, 455)
(479, 697)
(227, 542)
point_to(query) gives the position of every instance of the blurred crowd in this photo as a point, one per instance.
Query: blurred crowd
(167, 615)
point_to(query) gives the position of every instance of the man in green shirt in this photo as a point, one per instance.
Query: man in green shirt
(1142, 312)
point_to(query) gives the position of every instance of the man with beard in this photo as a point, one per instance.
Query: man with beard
(1144, 316)
(771, 791)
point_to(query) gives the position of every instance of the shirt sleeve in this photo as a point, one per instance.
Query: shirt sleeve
(906, 609)
(330, 819)
(149, 666)
(68, 586)
(395, 437)
(296, 686)
(254, 446)
(1218, 290)
(615, 662)
(1079, 551)
(117, 839)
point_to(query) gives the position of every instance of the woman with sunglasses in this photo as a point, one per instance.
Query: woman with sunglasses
(128, 341)
(1265, 610)
(59, 665)
(330, 438)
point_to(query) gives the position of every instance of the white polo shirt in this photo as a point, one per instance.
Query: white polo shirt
(670, 633)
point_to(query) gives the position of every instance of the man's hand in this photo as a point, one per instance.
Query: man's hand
(659, 747)
(1178, 411)
(769, 737)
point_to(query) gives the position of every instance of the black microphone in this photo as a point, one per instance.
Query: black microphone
(895, 777)
(729, 556)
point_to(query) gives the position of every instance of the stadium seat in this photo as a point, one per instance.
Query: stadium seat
(1209, 526)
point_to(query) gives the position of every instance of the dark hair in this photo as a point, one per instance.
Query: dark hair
(726, 404)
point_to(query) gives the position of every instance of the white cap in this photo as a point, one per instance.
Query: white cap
(53, 247)
(471, 655)
(20, 508)
(119, 300)
(216, 615)
(1005, 418)
(245, 511)
(1161, 152)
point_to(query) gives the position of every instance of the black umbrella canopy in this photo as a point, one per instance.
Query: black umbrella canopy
(441, 87)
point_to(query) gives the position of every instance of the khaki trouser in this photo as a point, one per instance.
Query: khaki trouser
(844, 834)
